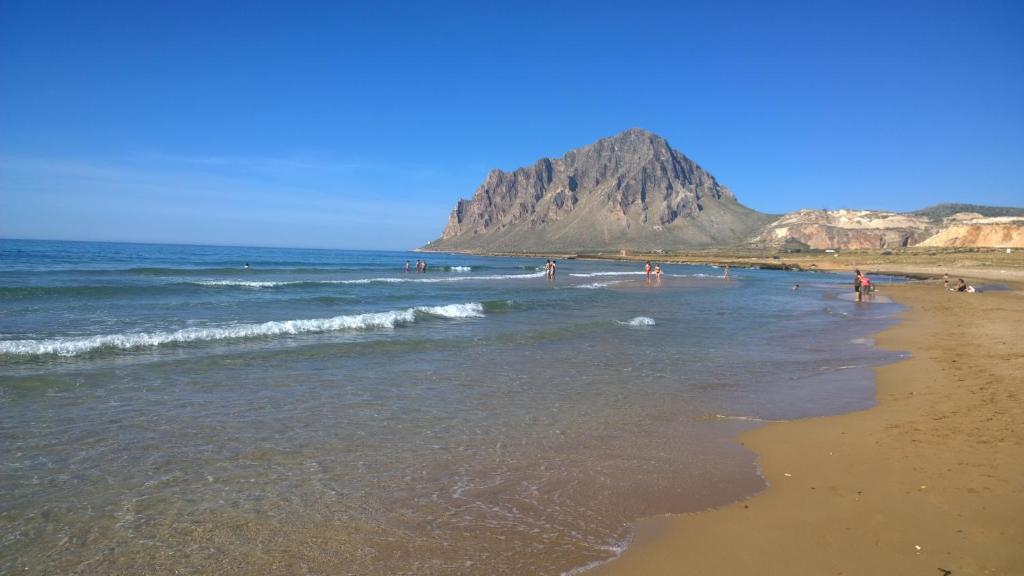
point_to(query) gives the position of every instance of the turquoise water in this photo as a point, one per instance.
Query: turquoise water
(163, 409)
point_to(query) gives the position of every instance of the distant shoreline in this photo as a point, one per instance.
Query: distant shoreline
(973, 264)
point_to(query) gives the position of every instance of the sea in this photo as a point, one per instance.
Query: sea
(169, 409)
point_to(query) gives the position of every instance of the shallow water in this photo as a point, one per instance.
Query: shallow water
(164, 410)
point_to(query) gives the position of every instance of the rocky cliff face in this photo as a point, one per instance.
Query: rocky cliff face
(629, 191)
(846, 229)
(867, 229)
(975, 231)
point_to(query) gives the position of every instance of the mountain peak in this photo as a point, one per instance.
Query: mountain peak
(630, 190)
(636, 133)
(632, 139)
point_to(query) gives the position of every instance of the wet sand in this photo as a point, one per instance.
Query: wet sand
(930, 481)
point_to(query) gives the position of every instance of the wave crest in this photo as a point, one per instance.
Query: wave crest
(383, 280)
(639, 321)
(597, 285)
(74, 346)
(593, 274)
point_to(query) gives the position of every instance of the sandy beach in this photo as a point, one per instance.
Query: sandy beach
(930, 481)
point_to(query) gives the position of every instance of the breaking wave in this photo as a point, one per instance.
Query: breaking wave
(697, 275)
(593, 274)
(242, 283)
(639, 321)
(384, 280)
(73, 346)
(597, 285)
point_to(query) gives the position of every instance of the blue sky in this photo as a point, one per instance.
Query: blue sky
(358, 125)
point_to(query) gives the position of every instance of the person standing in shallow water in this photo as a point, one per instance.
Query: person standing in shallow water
(857, 286)
(407, 268)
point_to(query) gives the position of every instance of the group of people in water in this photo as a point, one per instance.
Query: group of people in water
(550, 268)
(421, 266)
(862, 286)
(648, 271)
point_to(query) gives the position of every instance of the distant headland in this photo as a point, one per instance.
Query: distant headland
(633, 192)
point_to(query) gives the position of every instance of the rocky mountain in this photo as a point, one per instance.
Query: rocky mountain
(630, 191)
(940, 226)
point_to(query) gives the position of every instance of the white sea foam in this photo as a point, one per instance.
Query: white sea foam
(640, 273)
(73, 346)
(242, 283)
(384, 280)
(597, 285)
(639, 321)
(696, 275)
(615, 550)
(744, 418)
(461, 268)
(593, 274)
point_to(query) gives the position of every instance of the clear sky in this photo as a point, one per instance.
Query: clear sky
(358, 125)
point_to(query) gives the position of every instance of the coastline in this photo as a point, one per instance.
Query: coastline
(927, 481)
(985, 264)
